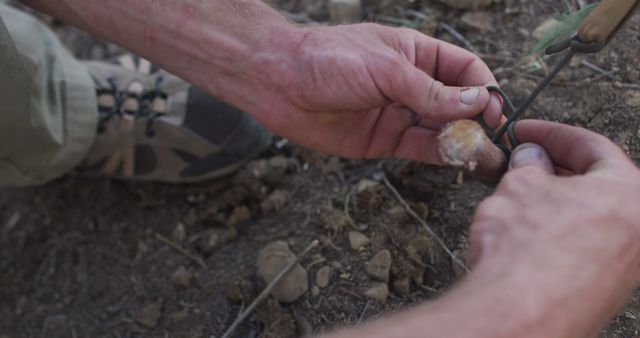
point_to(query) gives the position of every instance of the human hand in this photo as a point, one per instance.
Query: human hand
(566, 245)
(373, 91)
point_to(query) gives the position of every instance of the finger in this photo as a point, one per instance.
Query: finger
(493, 114)
(419, 144)
(576, 149)
(455, 66)
(431, 99)
(531, 155)
(391, 124)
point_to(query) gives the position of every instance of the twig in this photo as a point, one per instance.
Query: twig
(457, 36)
(11, 223)
(630, 85)
(602, 72)
(366, 307)
(267, 290)
(421, 221)
(180, 249)
(430, 289)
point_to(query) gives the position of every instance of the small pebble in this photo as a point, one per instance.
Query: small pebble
(323, 276)
(379, 291)
(402, 286)
(358, 240)
(380, 265)
(632, 98)
(271, 261)
(345, 11)
(149, 315)
(213, 239)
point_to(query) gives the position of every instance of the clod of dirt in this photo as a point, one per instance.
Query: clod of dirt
(272, 171)
(182, 277)
(481, 21)
(323, 276)
(379, 291)
(335, 219)
(380, 265)
(402, 286)
(277, 323)
(274, 202)
(544, 28)
(178, 316)
(467, 4)
(358, 240)
(149, 315)
(271, 261)
(239, 214)
(345, 11)
(213, 239)
(418, 247)
(632, 98)
(239, 289)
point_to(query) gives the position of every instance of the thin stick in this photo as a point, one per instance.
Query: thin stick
(457, 36)
(11, 223)
(180, 249)
(366, 307)
(422, 222)
(267, 290)
(603, 73)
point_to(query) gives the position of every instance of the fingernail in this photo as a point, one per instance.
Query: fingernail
(469, 96)
(525, 156)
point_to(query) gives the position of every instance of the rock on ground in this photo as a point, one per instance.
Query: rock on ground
(357, 240)
(149, 315)
(380, 265)
(345, 11)
(379, 291)
(323, 276)
(271, 261)
(481, 21)
(632, 98)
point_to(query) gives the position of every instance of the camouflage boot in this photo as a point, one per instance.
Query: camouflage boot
(154, 126)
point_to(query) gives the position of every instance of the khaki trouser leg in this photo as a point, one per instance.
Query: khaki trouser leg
(48, 112)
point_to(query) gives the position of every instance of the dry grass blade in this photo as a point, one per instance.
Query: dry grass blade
(267, 290)
(180, 249)
(422, 222)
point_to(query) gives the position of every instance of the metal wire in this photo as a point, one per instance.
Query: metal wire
(574, 46)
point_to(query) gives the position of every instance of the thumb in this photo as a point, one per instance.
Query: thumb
(531, 155)
(435, 101)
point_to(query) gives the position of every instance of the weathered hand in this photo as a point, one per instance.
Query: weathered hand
(570, 240)
(374, 91)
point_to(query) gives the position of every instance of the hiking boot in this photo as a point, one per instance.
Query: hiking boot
(155, 126)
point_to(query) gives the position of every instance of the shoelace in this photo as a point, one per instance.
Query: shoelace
(145, 105)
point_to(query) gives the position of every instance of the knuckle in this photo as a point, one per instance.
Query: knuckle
(435, 92)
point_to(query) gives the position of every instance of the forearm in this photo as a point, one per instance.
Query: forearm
(537, 300)
(227, 47)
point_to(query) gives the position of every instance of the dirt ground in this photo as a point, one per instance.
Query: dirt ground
(84, 257)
